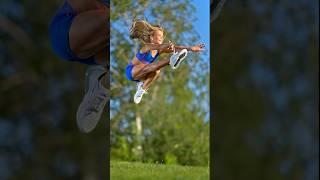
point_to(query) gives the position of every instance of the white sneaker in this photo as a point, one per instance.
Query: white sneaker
(96, 97)
(138, 96)
(139, 85)
(177, 57)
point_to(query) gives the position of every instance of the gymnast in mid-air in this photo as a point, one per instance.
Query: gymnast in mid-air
(143, 69)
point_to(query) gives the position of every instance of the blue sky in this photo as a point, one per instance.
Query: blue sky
(202, 25)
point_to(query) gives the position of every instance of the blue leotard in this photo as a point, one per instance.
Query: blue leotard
(59, 33)
(145, 58)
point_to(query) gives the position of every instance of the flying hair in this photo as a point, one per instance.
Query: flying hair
(142, 30)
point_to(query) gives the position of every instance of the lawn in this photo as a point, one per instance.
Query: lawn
(142, 171)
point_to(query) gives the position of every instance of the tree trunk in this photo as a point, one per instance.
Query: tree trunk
(138, 135)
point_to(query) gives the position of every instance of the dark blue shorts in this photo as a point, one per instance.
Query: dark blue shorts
(59, 34)
(106, 2)
(129, 72)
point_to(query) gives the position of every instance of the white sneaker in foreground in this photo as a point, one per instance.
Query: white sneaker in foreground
(177, 57)
(139, 85)
(138, 95)
(96, 97)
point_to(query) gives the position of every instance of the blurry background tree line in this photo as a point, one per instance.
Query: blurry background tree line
(265, 96)
(39, 96)
(171, 124)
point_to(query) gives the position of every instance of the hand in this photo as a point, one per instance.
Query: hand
(197, 48)
(168, 47)
(171, 46)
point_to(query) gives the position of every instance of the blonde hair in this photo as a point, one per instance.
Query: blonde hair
(141, 29)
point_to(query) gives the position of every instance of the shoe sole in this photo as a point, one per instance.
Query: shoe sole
(84, 122)
(179, 59)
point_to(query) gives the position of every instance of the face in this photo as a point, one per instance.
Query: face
(157, 37)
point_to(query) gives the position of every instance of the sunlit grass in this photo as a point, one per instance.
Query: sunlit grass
(141, 171)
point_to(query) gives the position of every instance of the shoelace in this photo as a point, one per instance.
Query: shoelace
(139, 84)
(96, 103)
(140, 93)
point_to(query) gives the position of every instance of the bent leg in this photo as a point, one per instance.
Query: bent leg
(141, 72)
(89, 33)
(151, 78)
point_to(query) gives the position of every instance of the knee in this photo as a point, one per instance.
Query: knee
(157, 73)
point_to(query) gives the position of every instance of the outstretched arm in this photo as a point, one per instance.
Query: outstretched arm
(159, 47)
(180, 47)
(196, 48)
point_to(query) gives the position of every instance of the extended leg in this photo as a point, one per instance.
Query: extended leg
(141, 72)
(89, 33)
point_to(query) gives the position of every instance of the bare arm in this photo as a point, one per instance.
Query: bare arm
(179, 47)
(159, 47)
(196, 48)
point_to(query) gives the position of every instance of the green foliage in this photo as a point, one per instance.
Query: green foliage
(170, 158)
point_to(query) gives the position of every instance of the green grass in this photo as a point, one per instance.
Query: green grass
(141, 171)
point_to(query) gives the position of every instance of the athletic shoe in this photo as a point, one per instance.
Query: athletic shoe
(138, 95)
(94, 101)
(177, 57)
(139, 85)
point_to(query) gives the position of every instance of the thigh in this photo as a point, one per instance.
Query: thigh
(89, 33)
(136, 72)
